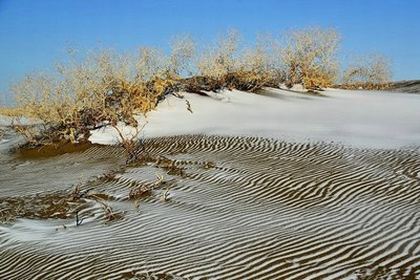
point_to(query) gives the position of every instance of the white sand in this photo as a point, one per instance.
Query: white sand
(360, 118)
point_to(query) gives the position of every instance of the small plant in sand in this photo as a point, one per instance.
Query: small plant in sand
(43, 206)
(139, 191)
(310, 58)
(144, 190)
(108, 176)
(132, 144)
(367, 72)
(110, 214)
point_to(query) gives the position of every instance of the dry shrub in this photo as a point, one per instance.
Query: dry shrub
(220, 60)
(11, 112)
(182, 53)
(218, 66)
(227, 66)
(198, 84)
(133, 146)
(369, 72)
(255, 69)
(309, 57)
(102, 89)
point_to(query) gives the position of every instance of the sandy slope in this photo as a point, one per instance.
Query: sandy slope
(361, 118)
(239, 208)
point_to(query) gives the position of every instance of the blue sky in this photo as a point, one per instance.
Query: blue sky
(35, 33)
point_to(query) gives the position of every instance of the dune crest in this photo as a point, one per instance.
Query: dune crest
(360, 118)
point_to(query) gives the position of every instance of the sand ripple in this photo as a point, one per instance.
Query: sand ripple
(243, 208)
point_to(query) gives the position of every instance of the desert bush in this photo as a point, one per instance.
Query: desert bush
(256, 68)
(149, 63)
(367, 72)
(219, 60)
(225, 65)
(181, 56)
(309, 57)
(104, 88)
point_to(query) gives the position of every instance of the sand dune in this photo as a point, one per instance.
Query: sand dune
(361, 118)
(256, 191)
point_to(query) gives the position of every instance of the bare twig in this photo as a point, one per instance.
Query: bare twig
(188, 106)
(78, 221)
(165, 195)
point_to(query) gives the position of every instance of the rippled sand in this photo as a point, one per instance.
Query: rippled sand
(238, 208)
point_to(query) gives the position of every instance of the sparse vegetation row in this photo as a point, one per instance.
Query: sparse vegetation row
(104, 88)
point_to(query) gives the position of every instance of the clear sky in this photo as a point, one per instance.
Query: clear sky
(35, 33)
